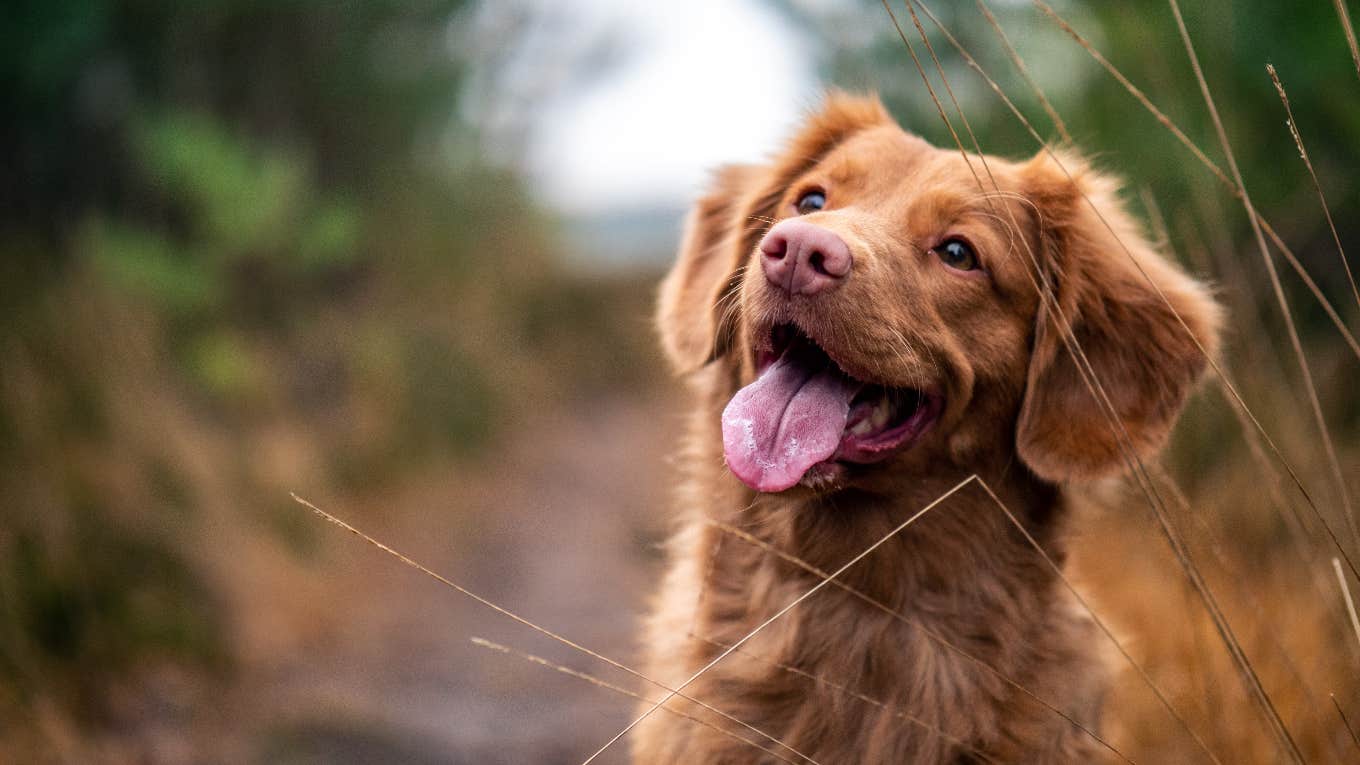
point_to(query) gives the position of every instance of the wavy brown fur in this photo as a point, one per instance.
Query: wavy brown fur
(983, 646)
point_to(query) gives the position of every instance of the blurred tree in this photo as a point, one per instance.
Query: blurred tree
(353, 86)
(222, 220)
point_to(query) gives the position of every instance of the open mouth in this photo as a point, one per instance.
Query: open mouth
(803, 416)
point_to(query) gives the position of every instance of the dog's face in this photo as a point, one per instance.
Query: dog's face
(878, 301)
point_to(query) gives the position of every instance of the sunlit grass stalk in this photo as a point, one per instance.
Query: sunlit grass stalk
(1300, 355)
(777, 616)
(1209, 164)
(1178, 547)
(672, 693)
(599, 683)
(1346, 594)
(1312, 175)
(879, 605)
(1236, 191)
(1349, 30)
(1024, 72)
(852, 693)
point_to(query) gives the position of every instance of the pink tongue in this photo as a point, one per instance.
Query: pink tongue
(788, 420)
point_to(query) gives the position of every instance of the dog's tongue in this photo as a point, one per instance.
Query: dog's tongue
(788, 420)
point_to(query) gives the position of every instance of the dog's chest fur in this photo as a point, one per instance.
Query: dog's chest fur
(1059, 348)
(953, 642)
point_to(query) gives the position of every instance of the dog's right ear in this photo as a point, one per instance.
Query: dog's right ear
(695, 310)
(689, 306)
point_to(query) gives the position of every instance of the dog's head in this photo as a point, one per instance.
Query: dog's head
(881, 305)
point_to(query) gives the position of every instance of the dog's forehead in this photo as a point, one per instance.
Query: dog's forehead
(890, 160)
(879, 154)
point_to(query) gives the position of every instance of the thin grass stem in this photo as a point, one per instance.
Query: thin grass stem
(599, 683)
(1346, 593)
(1218, 173)
(915, 623)
(778, 615)
(541, 630)
(1300, 356)
(1349, 30)
(1312, 175)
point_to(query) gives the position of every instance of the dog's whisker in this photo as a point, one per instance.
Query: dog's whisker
(599, 683)
(932, 360)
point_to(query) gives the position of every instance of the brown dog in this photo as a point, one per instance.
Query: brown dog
(862, 326)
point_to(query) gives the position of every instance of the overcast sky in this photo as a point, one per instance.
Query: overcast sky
(702, 83)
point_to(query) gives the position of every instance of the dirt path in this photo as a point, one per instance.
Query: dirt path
(562, 528)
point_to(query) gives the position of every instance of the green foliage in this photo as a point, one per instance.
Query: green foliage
(81, 611)
(448, 401)
(148, 264)
(237, 201)
(241, 209)
(228, 224)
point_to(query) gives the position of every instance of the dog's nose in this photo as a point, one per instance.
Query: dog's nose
(803, 258)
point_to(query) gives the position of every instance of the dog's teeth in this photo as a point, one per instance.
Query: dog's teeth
(875, 419)
(881, 412)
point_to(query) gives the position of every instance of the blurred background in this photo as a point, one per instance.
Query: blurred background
(399, 257)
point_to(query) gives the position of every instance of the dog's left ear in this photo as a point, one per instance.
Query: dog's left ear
(1115, 295)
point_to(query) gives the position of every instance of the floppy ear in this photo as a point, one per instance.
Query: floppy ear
(1141, 355)
(688, 311)
(694, 314)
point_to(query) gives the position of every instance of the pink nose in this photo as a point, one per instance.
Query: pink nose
(803, 258)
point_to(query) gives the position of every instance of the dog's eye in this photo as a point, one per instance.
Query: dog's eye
(811, 202)
(956, 254)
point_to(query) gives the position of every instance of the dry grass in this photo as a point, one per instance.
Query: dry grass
(1205, 604)
(1265, 659)
(1221, 584)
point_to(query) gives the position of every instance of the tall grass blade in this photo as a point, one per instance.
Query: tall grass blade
(599, 683)
(854, 694)
(1209, 164)
(1303, 154)
(1279, 244)
(915, 623)
(541, 630)
(1024, 72)
(1349, 30)
(1346, 593)
(779, 615)
(1346, 723)
(1300, 356)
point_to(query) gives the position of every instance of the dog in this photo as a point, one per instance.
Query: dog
(865, 322)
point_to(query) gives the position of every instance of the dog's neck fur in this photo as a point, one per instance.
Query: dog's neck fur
(951, 626)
